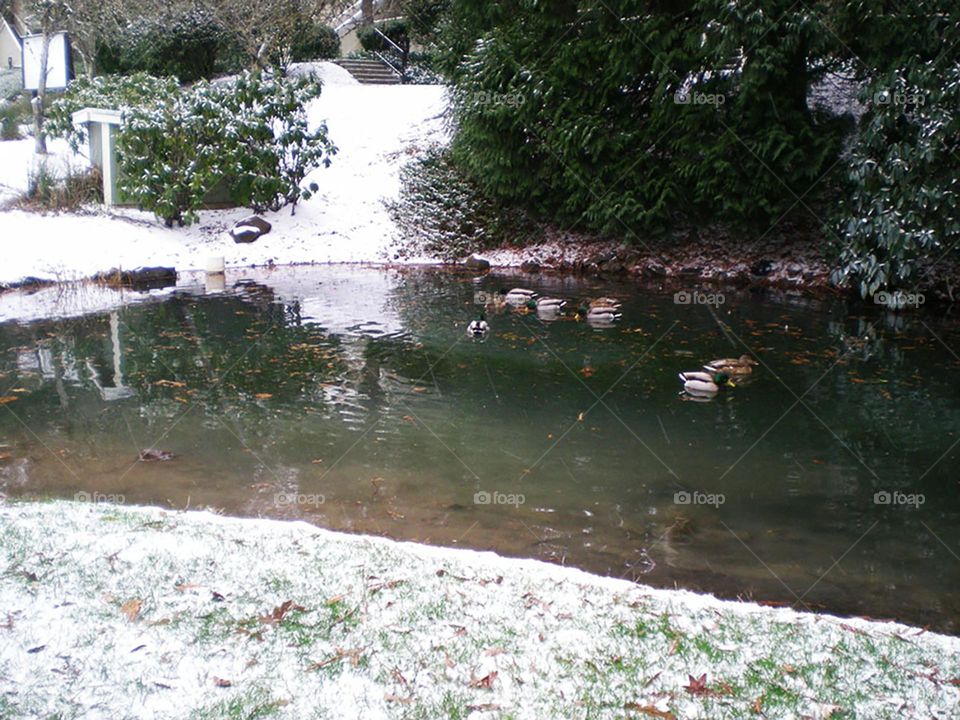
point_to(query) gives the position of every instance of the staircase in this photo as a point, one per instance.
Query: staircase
(369, 71)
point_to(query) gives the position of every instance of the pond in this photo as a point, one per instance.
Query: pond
(352, 398)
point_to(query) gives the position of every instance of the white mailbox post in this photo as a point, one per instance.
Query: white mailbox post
(101, 127)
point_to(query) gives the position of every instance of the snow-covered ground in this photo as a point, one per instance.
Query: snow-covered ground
(376, 128)
(109, 611)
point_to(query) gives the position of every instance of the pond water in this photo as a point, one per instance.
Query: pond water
(352, 398)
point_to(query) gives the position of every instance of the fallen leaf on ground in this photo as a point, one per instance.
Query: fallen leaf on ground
(131, 608)
(697, 686)
(170, 383)
(280, 612)
(220, 682)
(486, 681)
(8, 399)
(650, 710)
(263, 396)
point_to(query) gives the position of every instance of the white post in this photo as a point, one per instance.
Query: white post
(109, 182)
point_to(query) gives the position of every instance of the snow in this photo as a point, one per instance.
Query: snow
(393, 629)
(376, 128)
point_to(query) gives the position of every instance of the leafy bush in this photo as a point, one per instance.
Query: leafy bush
(425, 18)
(442, 213)
(397, 30)
(901, 213)
(115, 92)
(12, 115)
(676, 121)
(315, 42)
(176, 144)
(189, 45)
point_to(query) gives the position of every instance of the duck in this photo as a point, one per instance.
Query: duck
(705, 383)
(742, 365)
(478, 328)
(546, 305)
(600, 315)
(518, 297)
(604, 302)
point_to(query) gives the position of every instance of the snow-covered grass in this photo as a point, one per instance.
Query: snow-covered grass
(376, 128)
(121, 612)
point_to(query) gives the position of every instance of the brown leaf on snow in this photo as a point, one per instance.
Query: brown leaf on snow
(697, 686)
(280, 612)
(758, 705)
(650, 710)
(183, 587)
(486, 681)
(131, 608)
(220, 682)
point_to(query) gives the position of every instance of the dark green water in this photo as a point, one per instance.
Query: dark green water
(353, 399)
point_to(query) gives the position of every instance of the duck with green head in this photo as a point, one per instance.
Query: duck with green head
(546, 307)
(705, 383)
(599, 315)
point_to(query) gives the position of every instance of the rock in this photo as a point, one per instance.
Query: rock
(530, 266)
(612, 265)
(763, 267)
(153, 455)
(654, 270)
(691, 270)
(250, 229)
(476, 263)
(149, 278)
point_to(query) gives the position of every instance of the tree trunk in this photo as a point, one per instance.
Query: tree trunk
(366, 10)
(40, 140)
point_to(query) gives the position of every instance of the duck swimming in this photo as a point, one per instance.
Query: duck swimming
(478, 328)
(518, 297)
(705, 383)
(742, 365)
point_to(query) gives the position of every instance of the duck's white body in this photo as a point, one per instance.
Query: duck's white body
(699, 383)
(478, 328)
(519, 296)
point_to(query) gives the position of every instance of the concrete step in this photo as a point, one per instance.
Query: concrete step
(369, 71)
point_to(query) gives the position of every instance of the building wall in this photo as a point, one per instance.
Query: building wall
(9, 48)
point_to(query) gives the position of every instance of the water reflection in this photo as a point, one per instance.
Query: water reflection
(360, 388)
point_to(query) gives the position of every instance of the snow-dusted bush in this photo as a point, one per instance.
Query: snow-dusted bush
(176, 144)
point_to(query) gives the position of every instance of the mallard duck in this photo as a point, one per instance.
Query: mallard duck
(705, 383)
(478, 328)
(546, 305)
(599, 315)
(518, 297)
(742, 365)
(604, 302)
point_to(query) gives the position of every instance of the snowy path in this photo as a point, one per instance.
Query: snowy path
(377, 130)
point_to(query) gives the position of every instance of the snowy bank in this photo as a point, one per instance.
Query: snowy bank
(137, 612)
(376, 128)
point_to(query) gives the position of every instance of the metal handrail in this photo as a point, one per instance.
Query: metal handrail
(390, 65)
(395, 46)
